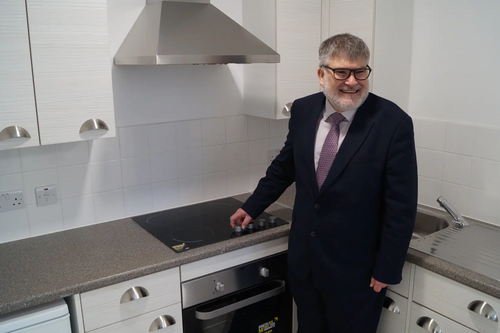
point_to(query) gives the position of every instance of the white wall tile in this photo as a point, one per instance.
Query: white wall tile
(236, 129)
(138, 200)
(136, 171)
(14, 225)
(189, 163)
(456, 169)
(237, 181)
(188, 134)
(237, 155)
(214, 185)
(257, 152)
(72, 153)
(258, 128)
(10, 162)
(190, 190)
(485, 175)
(278, 128)
(104, 150)
(214, 159)
(134, 141)
(163, 166)
(428, 191)
(109, 206)
(165, 195)
(106, 176)
(483, 205)
(78, 211)
(277, 143)
(74, 181)
(416, 131)
(457, 196)
(459, 139)
(36, 179)
(45, 219)
(162, 138)
(486, 143)
(213, 131)
(38, 158)
(255, 173)
(12, 182)
(432, 134)
(430, 163)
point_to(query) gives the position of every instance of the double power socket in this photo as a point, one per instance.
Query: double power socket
(11, 200)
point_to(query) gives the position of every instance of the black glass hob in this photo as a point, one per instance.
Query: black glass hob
(197, 225)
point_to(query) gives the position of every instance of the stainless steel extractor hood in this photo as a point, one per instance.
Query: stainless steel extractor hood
(169, 32)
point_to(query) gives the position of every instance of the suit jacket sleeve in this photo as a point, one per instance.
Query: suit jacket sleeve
(279, 176)
(400, 204)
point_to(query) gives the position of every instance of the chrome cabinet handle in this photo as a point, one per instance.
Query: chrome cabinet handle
(287, 108)
(484, 310)
(238, 305)
(93, 124)
(14, 132)
(133, 294)
(161, 322)
(429, 324)
(390, 305)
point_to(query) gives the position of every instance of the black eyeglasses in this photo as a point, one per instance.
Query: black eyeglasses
(344, 73)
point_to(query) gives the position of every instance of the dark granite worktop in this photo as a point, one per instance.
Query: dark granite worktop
(41, 269)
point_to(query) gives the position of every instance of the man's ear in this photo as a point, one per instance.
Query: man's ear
(321, 74)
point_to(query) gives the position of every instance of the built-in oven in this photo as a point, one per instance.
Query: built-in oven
(250, 298)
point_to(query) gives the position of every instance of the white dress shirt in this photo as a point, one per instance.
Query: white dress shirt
(324, 127)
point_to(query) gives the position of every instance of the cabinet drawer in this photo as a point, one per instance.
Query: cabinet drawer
(403, 288)
(148, 322)
(421, 318)
(455, 301)
(393, 317)
(108, 305)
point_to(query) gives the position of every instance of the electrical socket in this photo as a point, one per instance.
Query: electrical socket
(271, 155)
(11, 200)
(46, 195)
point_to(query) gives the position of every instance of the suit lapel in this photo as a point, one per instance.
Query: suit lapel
(359, 129)
(311, 127)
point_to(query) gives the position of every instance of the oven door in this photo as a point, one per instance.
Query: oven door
(266, 308)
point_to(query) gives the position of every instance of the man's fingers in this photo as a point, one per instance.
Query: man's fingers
(246, 221)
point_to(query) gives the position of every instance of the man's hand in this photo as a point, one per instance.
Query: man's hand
(377, 286)
(240, 218)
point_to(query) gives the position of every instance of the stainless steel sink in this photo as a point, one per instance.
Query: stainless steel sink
(426, 224)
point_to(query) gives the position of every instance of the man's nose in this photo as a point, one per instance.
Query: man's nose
(351, 80)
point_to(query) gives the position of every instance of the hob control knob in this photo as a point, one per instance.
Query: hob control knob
(272, 219)
(219, 286)
(237, 229)
(264, 272)
(262, 222)
(250, 226)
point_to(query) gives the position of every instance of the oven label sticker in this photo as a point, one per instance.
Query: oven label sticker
(268, 327)
(180, 247)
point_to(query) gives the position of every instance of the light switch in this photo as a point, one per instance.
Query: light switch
(46, 195)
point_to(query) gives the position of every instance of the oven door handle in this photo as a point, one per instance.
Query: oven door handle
(241, 304)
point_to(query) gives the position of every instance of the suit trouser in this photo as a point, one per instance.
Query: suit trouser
(333, 309)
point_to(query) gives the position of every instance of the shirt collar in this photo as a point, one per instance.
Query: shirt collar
(329, 109)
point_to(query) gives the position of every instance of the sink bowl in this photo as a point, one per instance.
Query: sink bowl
(426, 224)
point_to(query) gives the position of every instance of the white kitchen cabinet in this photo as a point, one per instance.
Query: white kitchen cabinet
(293, 29)
(424, 320)
(147, 295)
(403, 288)
(71, 68)
(393, 317)
(456, 301)
(17, 100)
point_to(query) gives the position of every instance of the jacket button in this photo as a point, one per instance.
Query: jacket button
(316, 206)
(313, 234)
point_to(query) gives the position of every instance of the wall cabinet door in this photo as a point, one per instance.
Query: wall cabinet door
(71, 68)
(17, 100)
(293, 29)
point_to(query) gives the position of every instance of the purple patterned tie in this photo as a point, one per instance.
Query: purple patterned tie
(330, 148)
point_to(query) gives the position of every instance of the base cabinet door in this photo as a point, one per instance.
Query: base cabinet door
(393, 317)
(424, 320)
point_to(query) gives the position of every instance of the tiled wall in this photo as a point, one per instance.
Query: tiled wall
(145, 169)
(462, 163)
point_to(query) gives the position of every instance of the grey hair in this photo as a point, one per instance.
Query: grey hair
(344, 46)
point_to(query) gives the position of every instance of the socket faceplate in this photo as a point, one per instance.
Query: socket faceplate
(46, 195)
(11, 200)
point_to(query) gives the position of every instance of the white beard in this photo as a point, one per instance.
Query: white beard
(341, 101)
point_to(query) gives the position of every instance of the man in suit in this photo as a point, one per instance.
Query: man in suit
(352, 157)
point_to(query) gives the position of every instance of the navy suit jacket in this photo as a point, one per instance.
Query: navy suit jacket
(360, 223)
